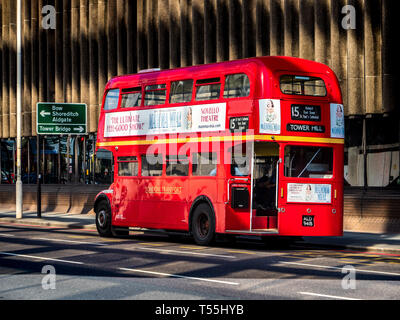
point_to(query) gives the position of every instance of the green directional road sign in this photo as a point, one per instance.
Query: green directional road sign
(61, 118)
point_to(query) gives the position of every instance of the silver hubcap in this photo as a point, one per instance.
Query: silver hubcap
(102, 218)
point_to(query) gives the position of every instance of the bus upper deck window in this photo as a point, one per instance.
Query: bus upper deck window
(208, 89)
(237, 85)
(303, 85)
(131, 97)
(181, 91)
(155, 94)
(111, 99)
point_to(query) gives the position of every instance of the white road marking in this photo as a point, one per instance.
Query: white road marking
(185, 252)
(338, 268)
(327, 296)
(72, 241)
(6, 235)
(179, 276)
(40, 258)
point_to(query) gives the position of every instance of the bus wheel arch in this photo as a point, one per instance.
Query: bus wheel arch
(202, 221)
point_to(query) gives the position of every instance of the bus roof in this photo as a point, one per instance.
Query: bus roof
(270, 64)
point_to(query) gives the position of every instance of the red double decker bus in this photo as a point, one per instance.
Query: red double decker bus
(245, 147)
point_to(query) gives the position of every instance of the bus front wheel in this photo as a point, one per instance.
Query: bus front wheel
(203, 225)
(103, 219)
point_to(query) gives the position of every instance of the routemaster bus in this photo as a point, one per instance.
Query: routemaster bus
(245, 147)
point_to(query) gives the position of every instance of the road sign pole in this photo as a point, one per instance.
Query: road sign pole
(38, 176)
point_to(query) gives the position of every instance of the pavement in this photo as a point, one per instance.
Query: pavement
(357, 241)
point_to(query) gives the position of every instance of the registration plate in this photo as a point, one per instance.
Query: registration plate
(308, 221)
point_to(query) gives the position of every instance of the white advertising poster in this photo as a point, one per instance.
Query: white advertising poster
(304, 192)
(337, 120)
(198, 118)
(270, 116)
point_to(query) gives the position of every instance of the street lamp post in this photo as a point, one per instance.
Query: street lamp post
(18, 190)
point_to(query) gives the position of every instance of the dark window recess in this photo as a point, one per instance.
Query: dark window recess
(204, 164)
(240, 198)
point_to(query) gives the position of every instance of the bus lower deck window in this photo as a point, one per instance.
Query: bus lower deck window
(204, 164)
(152, 165)
(127, 166)
(177, 166)
(308, 162)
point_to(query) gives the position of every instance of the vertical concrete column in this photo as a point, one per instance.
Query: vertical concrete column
(390, 27)
(174, 34)
(372, 52)
(235, 29)
(141, 38)
(163, 33)
(102, 36)
(321, 31)
(130, 22)
(75, 51)
(222, 29)
(26, 44)
(186, 37)
(210, 38)
(306, 29)
(59, 32)
(112, 55)
(93, 66)
(50, 56)
(291, 28)
(66, 55)
(34, 37)
(151, 33)
(262, 28)
(13, 68)
(249, 16)
(198, 31)
(84, 55)
(338, 46)
(1, 72)
(276, 23)
(121, 38)
(5, 69)
(355, 63)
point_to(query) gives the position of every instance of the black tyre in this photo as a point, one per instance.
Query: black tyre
(103, 219)
(203, 225)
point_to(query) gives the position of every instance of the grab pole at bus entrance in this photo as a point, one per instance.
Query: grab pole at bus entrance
(251, 184)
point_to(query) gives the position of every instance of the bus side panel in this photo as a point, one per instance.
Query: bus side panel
(208, 187)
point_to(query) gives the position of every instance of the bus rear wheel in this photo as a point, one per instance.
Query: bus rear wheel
(203, 225)
(103, 219)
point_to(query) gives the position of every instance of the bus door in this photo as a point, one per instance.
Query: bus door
(308, 192)
(265, 184)
(252, 194)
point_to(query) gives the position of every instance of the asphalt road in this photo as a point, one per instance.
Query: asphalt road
(56, 263)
